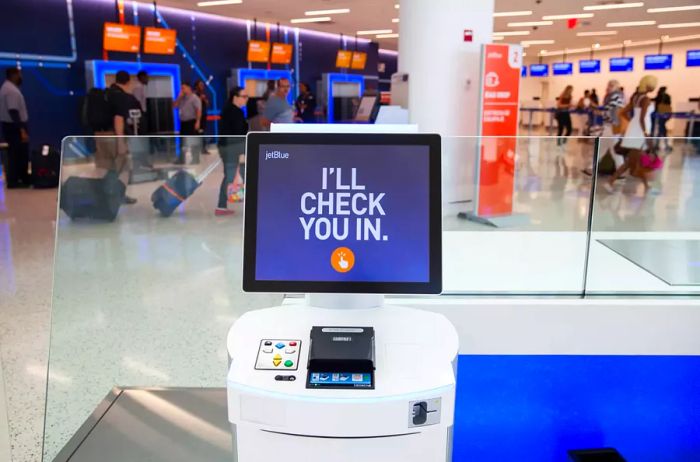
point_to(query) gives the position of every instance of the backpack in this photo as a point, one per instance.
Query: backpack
(98, 113)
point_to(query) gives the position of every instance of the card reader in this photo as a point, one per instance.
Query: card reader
(341, 357)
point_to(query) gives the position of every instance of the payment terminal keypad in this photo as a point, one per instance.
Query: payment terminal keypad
(278, 355)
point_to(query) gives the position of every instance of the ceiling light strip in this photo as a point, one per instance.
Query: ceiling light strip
(630, 24)
(554, 17)
(327, 12)
(530, 23)
(613, 6)
(220, 2)
(628, 43)
(374, 32)
(312, 19)
(596, 33)
(671, 9)
(509, 14)
(679, 25)
(512, 33)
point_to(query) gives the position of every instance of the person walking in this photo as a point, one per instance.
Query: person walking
(190, 110)
(636, 136)
(14, 118)
(660, 117)
(112, 142)
(613, 101)
(563, 115)
(231, 150)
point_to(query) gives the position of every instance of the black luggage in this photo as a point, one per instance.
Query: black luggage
(178, 189)
(94, 198)
(46, 167)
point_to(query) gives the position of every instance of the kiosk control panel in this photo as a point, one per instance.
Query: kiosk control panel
(278, 355)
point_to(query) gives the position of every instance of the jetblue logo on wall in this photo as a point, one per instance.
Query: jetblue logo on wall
(276, 155)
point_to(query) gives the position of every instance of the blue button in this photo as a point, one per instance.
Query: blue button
(280, 345)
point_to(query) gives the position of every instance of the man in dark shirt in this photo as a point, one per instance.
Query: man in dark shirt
(14, 118)
(112, 153)
(306, 104)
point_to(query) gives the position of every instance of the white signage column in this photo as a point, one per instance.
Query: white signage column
(442, 63)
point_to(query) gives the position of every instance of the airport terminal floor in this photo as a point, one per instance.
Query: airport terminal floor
(145, 301)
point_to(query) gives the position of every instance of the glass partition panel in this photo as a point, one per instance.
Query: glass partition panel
(645, 233)
(516, 214)
(143, 297)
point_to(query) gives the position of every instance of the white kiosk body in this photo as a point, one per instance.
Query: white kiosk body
(341, 377)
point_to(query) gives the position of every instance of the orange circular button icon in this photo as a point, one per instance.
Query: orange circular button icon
(342, 259)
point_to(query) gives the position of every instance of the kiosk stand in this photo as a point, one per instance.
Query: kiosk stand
(341, 376)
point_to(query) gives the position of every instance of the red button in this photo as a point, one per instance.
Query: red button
(292, 343)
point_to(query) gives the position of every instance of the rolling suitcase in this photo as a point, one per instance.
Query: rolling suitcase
(93, 198)
(46, 167)
(178, 189)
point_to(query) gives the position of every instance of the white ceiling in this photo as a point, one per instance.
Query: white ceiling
(378, 14)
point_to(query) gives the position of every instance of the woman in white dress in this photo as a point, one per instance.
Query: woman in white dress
(638, 112)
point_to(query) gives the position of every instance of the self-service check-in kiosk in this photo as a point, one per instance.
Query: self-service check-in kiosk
(340, 376)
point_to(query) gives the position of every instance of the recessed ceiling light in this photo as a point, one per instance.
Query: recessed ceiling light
(568, 16)
(396, 6)
(594, 34)
(513, 32)
(530, 23)
(326, 12)
(387, 35)
(679, 25)
(670, 9)
(496, 38)
(374, 32)
(314, 19)
(630, 24)
(613, 6)
(220, 2)
(596, 45)
(665, 37)
(395, 20)
(537, 42)
(507, 14)
(524, 54)
(627, 42)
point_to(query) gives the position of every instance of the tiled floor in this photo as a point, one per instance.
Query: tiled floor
(148, 300)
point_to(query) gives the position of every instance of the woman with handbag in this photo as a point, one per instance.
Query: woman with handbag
(233, 123)
(638, 112)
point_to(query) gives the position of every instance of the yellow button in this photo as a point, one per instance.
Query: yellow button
(277, 356)
(276, 362)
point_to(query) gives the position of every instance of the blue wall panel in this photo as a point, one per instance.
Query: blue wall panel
(535, 408)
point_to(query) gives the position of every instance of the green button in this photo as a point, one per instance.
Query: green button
(288, 363)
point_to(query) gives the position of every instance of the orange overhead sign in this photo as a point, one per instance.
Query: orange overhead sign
(159, 41)
(359, 60)
(258, 51)
(343, 58)
(121, 37)
(281, 53)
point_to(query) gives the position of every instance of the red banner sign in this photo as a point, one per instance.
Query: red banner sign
(500, 87)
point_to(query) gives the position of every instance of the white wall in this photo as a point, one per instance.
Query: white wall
(682, 82)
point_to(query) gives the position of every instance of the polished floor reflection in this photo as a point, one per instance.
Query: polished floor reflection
(147, 301)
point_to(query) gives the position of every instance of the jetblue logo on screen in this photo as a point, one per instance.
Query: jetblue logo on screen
(276, 155)
(342, 339)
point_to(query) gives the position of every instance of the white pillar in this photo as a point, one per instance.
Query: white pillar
(443, 69)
